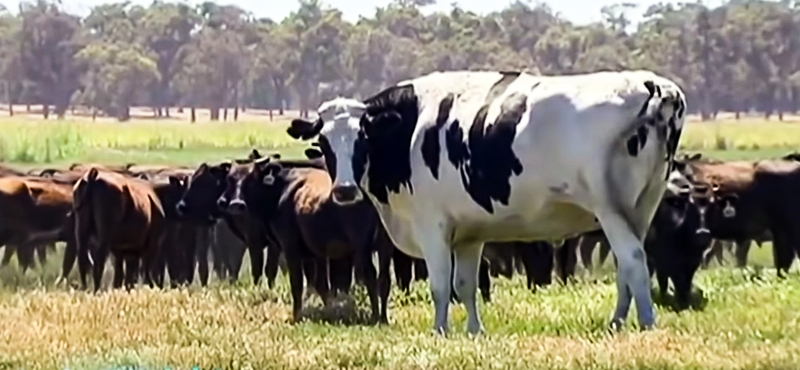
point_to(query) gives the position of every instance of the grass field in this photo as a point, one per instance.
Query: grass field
(750, 319)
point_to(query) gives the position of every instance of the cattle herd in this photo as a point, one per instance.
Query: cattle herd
(453, 177)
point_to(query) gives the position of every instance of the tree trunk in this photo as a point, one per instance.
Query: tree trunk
(166, 112)
(10, 109)
(94, 113)
(236, 113)
(46, 110)
(180, 109)
(738, 115)
(28, 108)
(225, 114)
(270, 115)
(194, 116)
(124, 114)
(214, 113)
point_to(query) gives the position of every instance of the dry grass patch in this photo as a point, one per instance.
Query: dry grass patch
(750, 322)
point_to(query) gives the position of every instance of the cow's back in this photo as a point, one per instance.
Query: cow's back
(532, 151)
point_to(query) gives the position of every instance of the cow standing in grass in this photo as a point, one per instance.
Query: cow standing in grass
(121, 215)
(455, 159)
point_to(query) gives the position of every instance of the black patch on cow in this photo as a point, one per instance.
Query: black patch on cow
(638, 140)
(651, 89)
(500, 86)
(385, 141)
(633, 145)
(486, 161)
(430, 139)
(673, 133)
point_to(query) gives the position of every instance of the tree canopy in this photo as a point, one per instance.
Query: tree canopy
(742, 56)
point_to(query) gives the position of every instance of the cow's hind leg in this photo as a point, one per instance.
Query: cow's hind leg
(741, 251)
(632, 276)
(465, 279)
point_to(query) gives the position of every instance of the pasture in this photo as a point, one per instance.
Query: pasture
(745, 319)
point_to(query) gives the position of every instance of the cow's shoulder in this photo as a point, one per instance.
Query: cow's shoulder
(307, 188)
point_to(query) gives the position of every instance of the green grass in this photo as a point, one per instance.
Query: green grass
(750, 320)
(27, 142)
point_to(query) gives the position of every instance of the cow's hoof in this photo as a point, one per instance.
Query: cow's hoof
(616, 325)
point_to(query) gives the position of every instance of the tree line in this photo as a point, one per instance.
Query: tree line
(743, 56)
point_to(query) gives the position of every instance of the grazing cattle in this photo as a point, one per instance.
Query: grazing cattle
(123, 216)
(34, 212)
(25, 255)
(10, 171)
(766, 201)
(200, 202)
(680, 235)
(454, 159)
(586, 248)
(180, 239)
(293, 199)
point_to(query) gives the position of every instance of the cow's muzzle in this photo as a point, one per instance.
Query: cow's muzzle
(346, 194)
(237, 207)
(180, 208)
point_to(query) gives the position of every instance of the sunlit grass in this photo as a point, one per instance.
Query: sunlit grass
(750, 320)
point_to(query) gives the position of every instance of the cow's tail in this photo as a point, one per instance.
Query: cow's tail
(663, 112)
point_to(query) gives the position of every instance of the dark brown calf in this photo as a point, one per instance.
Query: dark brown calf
(199, 202)
(293, 198)
(123, 216)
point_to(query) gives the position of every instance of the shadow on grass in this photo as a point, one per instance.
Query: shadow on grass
(697, 301)
(342, 310)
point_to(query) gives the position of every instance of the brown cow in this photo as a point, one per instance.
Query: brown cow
(294, 199)
(34, 212)
(124, 216)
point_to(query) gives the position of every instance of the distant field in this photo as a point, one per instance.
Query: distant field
(28, 140)
(750, 319)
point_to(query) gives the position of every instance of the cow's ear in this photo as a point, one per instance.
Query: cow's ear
(47, 173)
(174, 181)
(271, 173)
(225, 167)
(203, 167)
(695, 157)
(92, 175)
(276, 156)
(261, 164)
(254, 154)
(304, 129)
(312, 153)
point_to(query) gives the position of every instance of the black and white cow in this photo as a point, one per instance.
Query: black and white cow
(455, 159)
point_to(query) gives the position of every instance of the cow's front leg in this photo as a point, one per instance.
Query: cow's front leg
(632, 276)
(465, 281)
(437, 258)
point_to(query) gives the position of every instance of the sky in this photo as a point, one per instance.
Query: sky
(577, 11)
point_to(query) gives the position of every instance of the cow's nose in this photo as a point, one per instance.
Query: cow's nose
(180, 208)
(237, 207)
(346, 194)
(222, 203)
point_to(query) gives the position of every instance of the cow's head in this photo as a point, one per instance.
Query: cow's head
(206, 184)
(261, 184)
(695, 209)
(338, 129)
